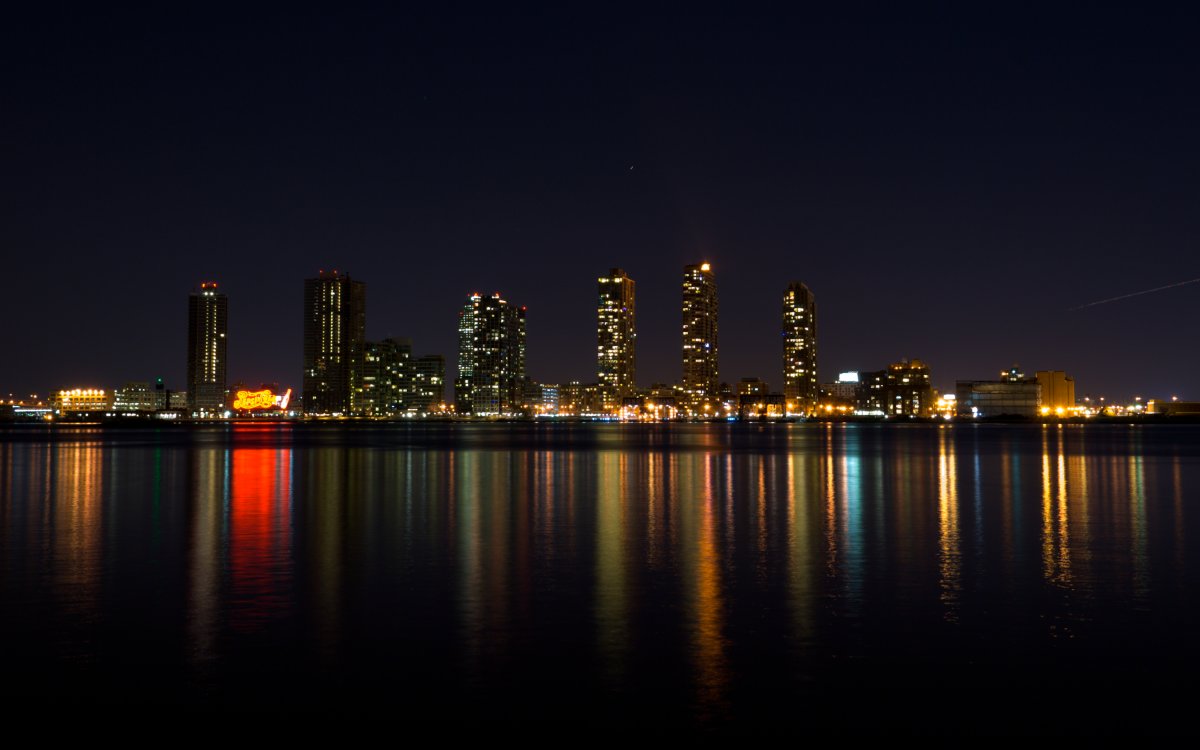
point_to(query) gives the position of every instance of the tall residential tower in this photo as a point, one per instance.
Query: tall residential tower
(335, 329)
(491, 357)
(208, 322)
(800, 386)
(616, 336)
(700, 375)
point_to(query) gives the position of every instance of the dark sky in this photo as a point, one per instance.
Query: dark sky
(948, 186)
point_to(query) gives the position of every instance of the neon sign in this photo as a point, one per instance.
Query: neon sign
(264, 399)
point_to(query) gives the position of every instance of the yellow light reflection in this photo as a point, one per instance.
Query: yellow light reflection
(612, 595)
(1056, 543)
(703, 571)
(78, 517)
(949, 551)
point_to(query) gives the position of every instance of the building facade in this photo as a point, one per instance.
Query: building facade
(701, 376)
(428, 392)
(908, 390)
(1058, 390)
(800, 349)
(386, 377)
(81, 400)
(869, 396)
(208, 324)
(752, 387)
(616, 338)
(134, 398)
(491, 357)
(904, 389)
(1013, 395)
(335, 328)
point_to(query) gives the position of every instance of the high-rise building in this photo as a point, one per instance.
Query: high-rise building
(335, 328)
(616, 336)
(208, 322)
(800, 385)
(491, 357)
(428, 392)
(700, 374)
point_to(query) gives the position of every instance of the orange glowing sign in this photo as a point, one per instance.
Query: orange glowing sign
(264, 399)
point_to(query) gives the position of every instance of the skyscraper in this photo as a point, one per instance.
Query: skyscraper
(491, 357)
(616, 336)
(700, 375)
(335, 327)
(208, 321)
(800, 387)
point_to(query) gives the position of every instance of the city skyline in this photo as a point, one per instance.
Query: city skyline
(326, 320)
(959, 189)
(559, 367)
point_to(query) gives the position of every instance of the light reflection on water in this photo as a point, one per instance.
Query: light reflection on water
(720, 570)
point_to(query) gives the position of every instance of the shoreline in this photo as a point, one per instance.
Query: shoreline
(365, 422)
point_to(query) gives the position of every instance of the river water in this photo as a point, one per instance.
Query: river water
(847, 578)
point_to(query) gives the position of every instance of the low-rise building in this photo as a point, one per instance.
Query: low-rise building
(1058, 391)
(752, 387)
(140, 398)
(1173, 408)
(81, 400)
(1013, 395)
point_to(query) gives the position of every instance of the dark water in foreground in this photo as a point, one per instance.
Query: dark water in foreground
(847, 578)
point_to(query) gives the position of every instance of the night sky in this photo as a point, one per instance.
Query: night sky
(949, 187)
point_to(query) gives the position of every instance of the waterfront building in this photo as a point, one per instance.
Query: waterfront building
(428, 391)
(752, 387)
(335, 327)
(580, 399)
(762, 406)
(800, 349)
(616, 338)
(843, 390)
(908, 390)
(839, 397)
(140, 398)
(869, 396)
(904, 389)
(1173, 408)
(81, 400)
(701, 381)
(208, 324)
(549, 402)
(1058, 391)
(386, 377)
(1013, 395)
(491, 357)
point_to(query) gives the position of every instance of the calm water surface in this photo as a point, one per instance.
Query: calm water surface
(849, 577)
